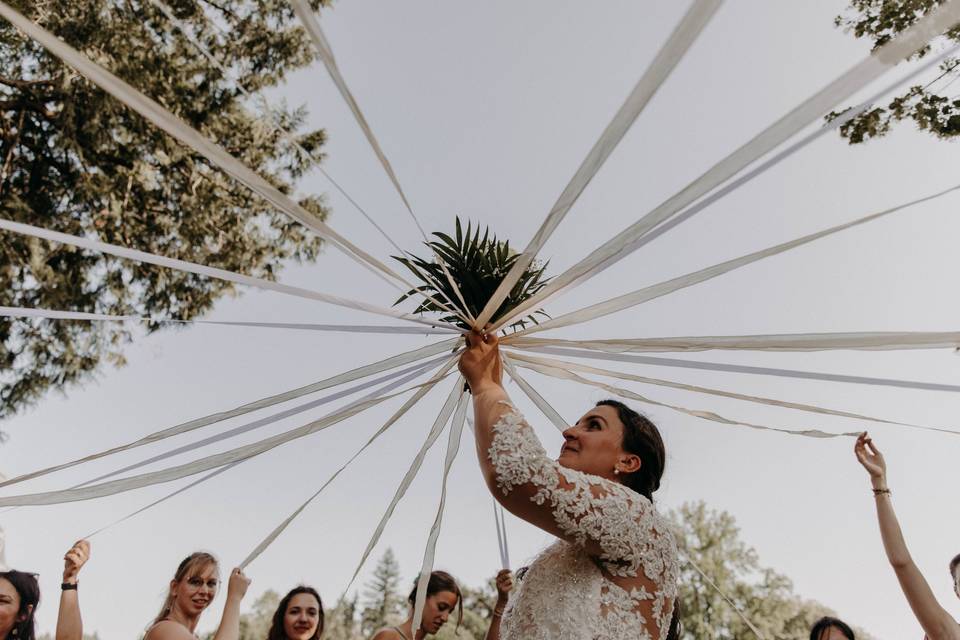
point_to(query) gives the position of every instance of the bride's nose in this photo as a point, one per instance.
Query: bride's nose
(568, 433)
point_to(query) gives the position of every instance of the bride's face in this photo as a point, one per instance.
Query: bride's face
(595, 445)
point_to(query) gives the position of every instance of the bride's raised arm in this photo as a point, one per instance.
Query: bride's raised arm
(936, 622)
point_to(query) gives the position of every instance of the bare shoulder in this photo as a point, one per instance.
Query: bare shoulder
(169, 630)
(383, 634)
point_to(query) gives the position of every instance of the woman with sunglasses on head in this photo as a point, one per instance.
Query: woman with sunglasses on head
(612, 575)
(192, 589)
(936, 622)
(20, 595)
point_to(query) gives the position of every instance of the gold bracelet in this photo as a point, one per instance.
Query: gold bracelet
(881, 492)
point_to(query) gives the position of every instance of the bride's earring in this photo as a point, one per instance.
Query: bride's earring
(616, 471)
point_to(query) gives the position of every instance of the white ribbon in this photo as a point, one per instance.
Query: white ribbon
(859, 76)
(432, 436)
(680, 41)
(863, 341)
(501, 524)
(269, 401)
(739, 368)
(398, 378)
(535, 396)
(312, 25)
(162, 118)
(704, 415)
(573, 366)
(191, 485)
(651, 292)
(212, 272)
(52, 314)
(429, 553)
(735, 608)
(273, 535)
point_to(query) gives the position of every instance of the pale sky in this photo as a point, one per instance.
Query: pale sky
(486, 110)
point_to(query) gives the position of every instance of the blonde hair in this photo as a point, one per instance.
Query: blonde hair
(190, 566)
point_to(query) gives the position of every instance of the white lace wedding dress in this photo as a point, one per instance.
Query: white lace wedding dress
(567, 594)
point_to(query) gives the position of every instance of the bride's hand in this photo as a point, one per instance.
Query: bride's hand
(870, 457)
(480, 362)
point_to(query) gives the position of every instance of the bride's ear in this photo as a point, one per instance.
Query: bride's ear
(629, 463)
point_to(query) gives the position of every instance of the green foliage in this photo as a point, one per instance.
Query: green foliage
(75, 160)
(712, 540)
(477, 265)
(340, 622)
(931, 107)
(383, 604)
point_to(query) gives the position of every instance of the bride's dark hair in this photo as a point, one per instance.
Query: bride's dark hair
(641, 438)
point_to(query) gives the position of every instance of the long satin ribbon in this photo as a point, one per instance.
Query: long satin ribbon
(322, 45)
(627, 300)
(859, 76)
(670, 54)
(736, 609)
(552, 414)
(173, 494)
(573, 366)
(863, 341)
(396, 379)
(429, 553)
(197, 466)
(704, 415)
(739, 368)
(275, 533)
(53, 314)
(162, 118)
(211, 272)
(269, 401)
(500, 522)
(442, 418)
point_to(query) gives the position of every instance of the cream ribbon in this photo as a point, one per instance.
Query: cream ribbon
(573, 366)
(269, 401)
(628, 300)
(52, 314)
(197, 466)
(859, 76)
(398, 378)
(162, 118)
(429, 553)
(863, 341)
(739, 368)
(535, 396)
(704, 415)
(266, 542)
(212, 272)
(670, 54)
(432, 436)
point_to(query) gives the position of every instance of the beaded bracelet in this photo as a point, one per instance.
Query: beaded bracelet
(880, 492)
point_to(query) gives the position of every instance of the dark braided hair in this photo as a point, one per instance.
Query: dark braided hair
(641, 438)
(29, 591)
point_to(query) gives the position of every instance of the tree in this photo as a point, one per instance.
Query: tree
(382, 602)
(340, 623)
(711, 539)
(73, 159)
(931, 106)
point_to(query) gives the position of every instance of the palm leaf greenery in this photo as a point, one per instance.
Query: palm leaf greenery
(477, 265)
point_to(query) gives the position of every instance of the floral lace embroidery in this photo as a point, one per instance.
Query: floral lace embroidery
(631, 535)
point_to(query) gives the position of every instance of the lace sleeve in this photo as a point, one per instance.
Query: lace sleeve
(616, 525)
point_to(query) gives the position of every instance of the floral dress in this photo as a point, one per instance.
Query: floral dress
(568, 593)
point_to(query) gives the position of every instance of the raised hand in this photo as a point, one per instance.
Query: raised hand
(237, 585)
(74, 560)
(480, 362)
(504, 585)
(870, 457)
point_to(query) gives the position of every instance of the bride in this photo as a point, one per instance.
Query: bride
(612, 575)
